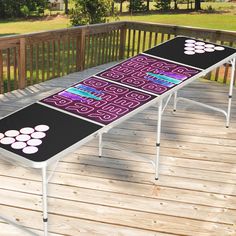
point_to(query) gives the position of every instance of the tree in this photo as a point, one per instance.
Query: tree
(121, 5)
(21, 8)
(136, 5)
(175, 4)
(163, 4)
(90, 11)
(112, 7)
(197, 5)
(148, 5)
(66, 7)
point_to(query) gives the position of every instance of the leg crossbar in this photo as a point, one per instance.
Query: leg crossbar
(202, 105)
(108, 144)
(52, 172)
(226, 113)
(158, 138)
(166, 103)
(13, 222)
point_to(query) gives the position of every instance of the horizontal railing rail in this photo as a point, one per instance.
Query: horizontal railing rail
(32, 58)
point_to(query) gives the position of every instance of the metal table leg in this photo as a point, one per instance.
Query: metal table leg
(100, 145)
(158, 140)
(226, 113)
(44, 198)
(230, 92)
(175, 100)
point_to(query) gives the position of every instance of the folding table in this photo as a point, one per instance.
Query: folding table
(42, 133)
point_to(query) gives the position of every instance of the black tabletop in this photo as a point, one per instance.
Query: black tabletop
(37, 132)
(192, 52)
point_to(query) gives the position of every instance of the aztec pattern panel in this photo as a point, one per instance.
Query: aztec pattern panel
(192, 52)
(149, 74)
(37, 132)
(98, 100)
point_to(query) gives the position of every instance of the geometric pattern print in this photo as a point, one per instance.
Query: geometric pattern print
(149, 74)
(98, 100)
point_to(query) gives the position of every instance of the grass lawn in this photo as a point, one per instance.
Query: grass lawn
(222, 21)
(212, 21)
(28, 26)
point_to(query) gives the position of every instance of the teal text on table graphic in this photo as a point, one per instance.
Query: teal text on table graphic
(83, 93)
(88, 88)
(163, 77)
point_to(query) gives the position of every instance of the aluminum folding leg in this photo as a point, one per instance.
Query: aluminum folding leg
(155, 163)
(175, 101)
(45, 210)
(226, 113)
(230, 92)
(100, 145)
(158, 143)
(44, 198)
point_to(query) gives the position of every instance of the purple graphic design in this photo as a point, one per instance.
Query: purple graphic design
(133, 72)
(114, 101)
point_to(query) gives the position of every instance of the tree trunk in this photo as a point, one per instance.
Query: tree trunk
(148, 5)
(121, 6)
(175, 5)
(113, 7)
(130, 5)
(66, 7)
(197, 5)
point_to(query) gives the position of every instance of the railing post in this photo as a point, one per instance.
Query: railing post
(122, 42)
(22, 64)
(81, 50)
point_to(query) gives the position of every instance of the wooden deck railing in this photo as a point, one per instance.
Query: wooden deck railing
(32, 58)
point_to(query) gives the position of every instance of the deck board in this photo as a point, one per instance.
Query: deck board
(117, 194)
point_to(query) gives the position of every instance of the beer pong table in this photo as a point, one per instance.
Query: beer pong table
(42, 133)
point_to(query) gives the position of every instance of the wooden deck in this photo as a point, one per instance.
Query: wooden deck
(117, 195)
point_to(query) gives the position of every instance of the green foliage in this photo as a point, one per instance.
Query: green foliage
(40, 10)
(78, 16)
(163, 4)
(210, 9)
(90, 12)
(137, 5)
(25, 11)
(21, 8)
